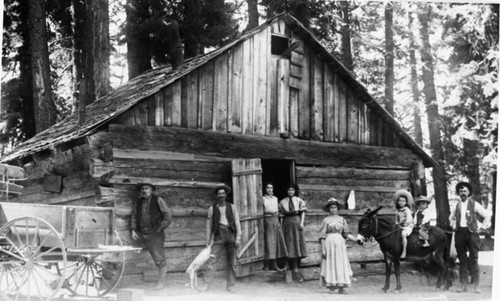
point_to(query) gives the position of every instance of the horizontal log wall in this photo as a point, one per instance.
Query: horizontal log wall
(70, 168)
(221, 145)
(184, 180)
(186, 164)
(371, 187)
(247, 90)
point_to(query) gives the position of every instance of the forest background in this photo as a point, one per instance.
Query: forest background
(433, 66)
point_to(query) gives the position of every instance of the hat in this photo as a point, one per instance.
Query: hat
(422, 198)
(464, 184)
(139, 186)
(220, 186)
(405, 193)
(331, 201)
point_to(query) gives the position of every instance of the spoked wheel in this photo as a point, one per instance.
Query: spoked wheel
(95, 272)
(30, 252)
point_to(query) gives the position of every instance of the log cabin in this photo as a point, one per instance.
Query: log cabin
(273, 105)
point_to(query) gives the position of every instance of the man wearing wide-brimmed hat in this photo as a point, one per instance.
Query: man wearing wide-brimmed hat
(464, 219)
(150, 217)
(223, 233)
(425, 218)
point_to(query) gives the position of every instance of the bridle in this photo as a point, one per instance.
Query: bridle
(376, 228)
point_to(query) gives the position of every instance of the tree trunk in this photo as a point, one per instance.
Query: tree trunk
(345, 32)
(138, 43)
(91, 52)
(192, 47)
(174, 46)
(438, 173)
(418, 136)
(25, 75)
(472, 151)
(389, 59)
(44, 108)
(100, 29)
(253, 14)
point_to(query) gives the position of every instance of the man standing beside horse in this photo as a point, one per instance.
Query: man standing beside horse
(463, 219)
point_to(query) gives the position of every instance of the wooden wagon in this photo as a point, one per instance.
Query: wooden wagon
(44, 248)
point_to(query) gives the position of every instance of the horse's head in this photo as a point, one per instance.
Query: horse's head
(367, 225)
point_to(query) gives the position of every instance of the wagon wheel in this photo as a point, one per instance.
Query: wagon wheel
(95, 272)
(30, 251)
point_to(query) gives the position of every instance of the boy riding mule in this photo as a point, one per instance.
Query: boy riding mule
(389, 238)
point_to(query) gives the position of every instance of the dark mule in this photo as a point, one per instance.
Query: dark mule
(389, 238)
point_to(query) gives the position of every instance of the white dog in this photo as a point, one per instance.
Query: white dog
(200, 260)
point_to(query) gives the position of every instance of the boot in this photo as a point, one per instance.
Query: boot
(161, 280)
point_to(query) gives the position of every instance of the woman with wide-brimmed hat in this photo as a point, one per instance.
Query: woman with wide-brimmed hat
(335, 267)
(404, 217)
(293, 210)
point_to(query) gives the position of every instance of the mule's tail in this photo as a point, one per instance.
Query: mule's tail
(450, 257)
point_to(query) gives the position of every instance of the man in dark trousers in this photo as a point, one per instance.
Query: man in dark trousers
(464, 219)
(223, 227)
(150, 217)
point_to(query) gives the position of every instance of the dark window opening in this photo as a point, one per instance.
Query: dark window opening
(280, 173)
(279, 45)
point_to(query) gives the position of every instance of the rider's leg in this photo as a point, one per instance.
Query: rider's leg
(403, 255)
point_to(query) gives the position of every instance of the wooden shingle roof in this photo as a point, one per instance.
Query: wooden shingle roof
(123, 98)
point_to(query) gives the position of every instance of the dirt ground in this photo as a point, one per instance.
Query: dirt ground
(367, 284)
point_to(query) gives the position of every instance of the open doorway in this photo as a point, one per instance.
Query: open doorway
(280, 172)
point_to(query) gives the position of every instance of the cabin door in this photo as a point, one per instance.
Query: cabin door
(247, 197)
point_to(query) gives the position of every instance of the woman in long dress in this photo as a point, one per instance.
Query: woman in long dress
(274, 241)
(293, 211)
(335, 267)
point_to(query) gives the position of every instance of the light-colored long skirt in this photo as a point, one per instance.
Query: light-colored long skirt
(335, 268)
(275, 246)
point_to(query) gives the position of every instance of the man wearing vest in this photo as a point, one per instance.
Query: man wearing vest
(150, 216)
(463, 219)
(223, 226)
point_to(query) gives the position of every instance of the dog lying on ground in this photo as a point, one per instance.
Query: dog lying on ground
(199, 261)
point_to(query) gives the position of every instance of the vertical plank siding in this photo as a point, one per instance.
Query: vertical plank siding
(250, 91)
(283, 90)
(342, 92)
(261, 82)
(316, 98)
(329, 119)
(272, 102)
(352, 117)
(246, 96)
(235, 82)
(207, 96)
(305, 99)
(220, 93)
(192, 100)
